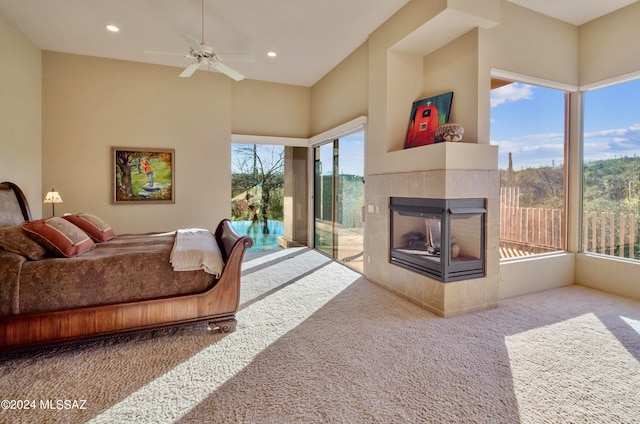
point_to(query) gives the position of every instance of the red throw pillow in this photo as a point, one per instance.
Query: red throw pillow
(59, 236)
(97, 229)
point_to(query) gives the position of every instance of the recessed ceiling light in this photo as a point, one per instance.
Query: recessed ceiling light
(112, 28)
(272, 54)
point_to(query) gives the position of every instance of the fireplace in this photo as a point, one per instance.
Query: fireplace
(443, 239)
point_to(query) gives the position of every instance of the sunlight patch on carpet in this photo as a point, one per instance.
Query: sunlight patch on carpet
(271, 256)
(283, 272)
(174, 394)
(555, 377)
(633, 323)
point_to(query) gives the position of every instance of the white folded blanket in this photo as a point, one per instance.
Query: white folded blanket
(196, 249)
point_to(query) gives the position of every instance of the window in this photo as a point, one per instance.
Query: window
(257, 191)
(611, 196)
(528, 125)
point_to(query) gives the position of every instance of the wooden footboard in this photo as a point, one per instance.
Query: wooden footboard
(217, 305)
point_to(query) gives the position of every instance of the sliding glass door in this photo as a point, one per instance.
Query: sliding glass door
(324, 205)
(339, 199)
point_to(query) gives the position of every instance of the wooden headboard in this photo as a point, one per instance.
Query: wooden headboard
(10, 193)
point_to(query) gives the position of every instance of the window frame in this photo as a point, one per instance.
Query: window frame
(570, 135)
(583, 90)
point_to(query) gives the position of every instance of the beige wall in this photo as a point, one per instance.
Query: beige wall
(341, 95)
(529, 43)
(400, 74)
(268, 109)
(20, 114)
(395, 81)
(536, 273)
(91, 104)
(609, 46)
(608, 274)
(454, 67)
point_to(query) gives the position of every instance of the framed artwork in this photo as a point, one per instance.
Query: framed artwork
(142, 175)
(426, 116)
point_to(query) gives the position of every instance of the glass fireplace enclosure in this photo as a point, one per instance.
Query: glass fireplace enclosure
(441, 238)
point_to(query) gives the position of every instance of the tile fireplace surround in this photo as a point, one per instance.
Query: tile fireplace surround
(444, 299)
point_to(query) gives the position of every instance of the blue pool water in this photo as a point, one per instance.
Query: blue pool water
(261, 240)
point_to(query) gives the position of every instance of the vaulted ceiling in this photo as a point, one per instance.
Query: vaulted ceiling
(310, 37)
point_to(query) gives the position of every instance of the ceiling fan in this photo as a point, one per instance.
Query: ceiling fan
(204, 54)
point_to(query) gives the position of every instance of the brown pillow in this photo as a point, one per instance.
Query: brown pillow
(97, 229)
(14, 239)
(59, 236)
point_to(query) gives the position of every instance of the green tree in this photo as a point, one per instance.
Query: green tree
(610, 186)
(350, 200)
(539, 187)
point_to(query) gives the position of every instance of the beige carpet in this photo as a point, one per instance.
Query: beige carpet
(317, 343)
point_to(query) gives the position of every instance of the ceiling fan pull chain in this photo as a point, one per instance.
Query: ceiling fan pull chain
(202, 21)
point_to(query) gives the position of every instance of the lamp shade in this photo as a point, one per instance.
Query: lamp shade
(52, 197)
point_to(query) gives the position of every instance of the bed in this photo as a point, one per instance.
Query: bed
(106, 283)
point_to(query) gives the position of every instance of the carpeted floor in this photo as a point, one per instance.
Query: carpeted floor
(318, 343)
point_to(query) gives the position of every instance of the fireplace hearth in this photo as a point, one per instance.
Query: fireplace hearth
(443, 239)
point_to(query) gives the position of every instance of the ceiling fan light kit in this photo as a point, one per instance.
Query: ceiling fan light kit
(205, 54)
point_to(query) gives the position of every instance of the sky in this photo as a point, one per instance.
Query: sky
(351, 154)
(528, 121)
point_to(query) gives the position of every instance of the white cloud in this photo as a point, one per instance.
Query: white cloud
(612, 143)
(633, 132)
(532, 150)
(526, 153)
(548, 136)
(607, 133)
(544, 148)
(511, 93)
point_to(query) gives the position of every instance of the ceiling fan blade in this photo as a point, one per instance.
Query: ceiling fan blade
(189, 70)
(166, 53)
(231, 73)
(238, 58)
(193, 43)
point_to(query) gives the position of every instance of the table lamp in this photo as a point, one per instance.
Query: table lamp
(53, 197)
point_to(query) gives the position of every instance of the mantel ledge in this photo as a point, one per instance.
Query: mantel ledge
(466, 156)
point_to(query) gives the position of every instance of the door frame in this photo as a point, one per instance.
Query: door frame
(353, 126)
